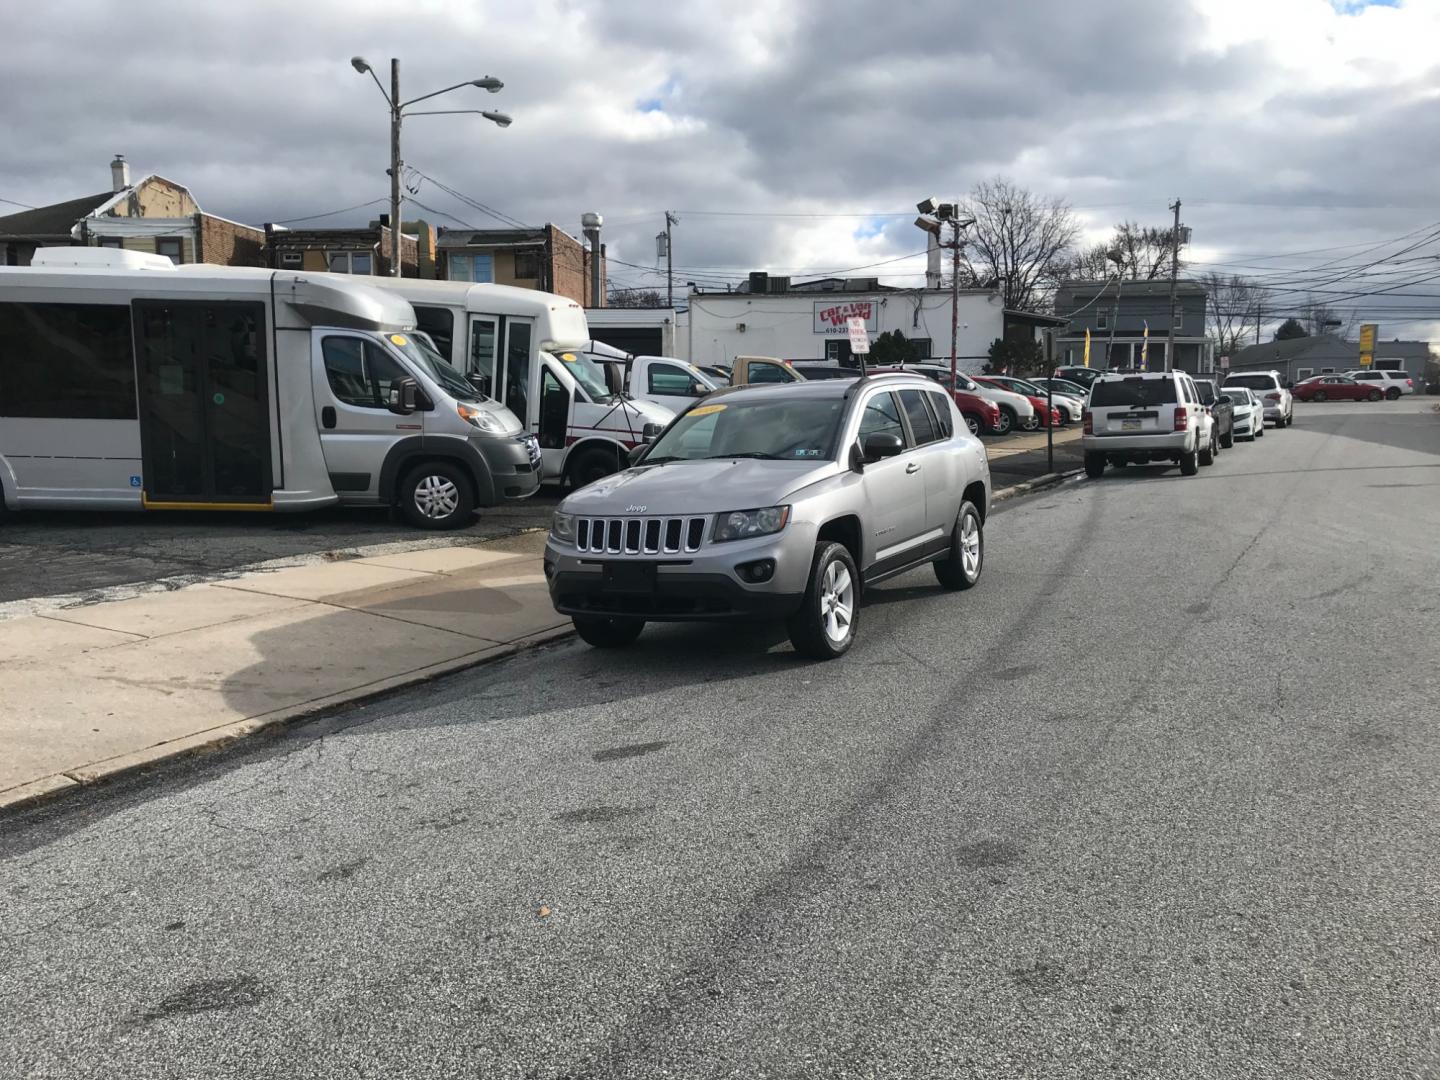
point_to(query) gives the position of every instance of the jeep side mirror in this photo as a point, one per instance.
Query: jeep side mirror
(404, 396)
(650, 432)
(882, 445)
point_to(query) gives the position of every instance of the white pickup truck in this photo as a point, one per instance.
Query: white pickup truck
(674, 383)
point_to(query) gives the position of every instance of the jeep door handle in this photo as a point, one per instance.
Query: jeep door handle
(913, 467)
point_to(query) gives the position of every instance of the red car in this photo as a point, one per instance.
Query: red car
(1335, 388)
(1038, 402)
(980, 415)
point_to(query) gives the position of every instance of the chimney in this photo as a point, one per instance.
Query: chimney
(119, 173)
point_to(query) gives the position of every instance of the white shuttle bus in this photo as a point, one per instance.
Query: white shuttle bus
(527, 349)
(129, 383)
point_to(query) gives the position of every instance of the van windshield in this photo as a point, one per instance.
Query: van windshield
(422, 354)
(589, 373)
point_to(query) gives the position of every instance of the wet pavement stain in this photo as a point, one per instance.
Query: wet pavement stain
(986, 853)
(1198, 609)
(1010, 674)
(1041, 977)
(344, 870)
(600, 815)
(618, 753)
(211, 995)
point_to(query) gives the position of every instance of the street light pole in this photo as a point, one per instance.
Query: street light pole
(1174, 270)
(395, 168)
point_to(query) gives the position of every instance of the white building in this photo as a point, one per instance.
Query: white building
(807, 321)
(638, 331)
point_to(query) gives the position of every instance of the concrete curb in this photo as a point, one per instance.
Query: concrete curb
(46, 788)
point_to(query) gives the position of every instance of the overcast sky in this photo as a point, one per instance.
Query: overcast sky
(789, 135)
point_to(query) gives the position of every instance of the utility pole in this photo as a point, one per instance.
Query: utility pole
(954, 302)
(1258, 309)
(1174, 271)
(394, 167)
(670, 219)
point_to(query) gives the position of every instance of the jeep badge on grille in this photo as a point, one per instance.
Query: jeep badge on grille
(635, 509)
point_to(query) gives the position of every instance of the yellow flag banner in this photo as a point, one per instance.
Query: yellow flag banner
(1087, 346)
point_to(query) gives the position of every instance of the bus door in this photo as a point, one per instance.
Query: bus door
(204, 406)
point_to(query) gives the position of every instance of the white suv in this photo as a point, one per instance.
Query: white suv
(1270, 389)
(1147, 416)
(1390, 383)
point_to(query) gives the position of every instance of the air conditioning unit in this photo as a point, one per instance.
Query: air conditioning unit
(778, 285)
(759, 281)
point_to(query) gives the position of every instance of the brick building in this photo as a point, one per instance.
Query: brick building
(363, 250)
(547, 258)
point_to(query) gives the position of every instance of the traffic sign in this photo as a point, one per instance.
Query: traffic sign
(859, 336)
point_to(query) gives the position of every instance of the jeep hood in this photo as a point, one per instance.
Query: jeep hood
(710, 486)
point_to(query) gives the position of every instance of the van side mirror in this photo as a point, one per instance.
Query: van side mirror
(481, 383)
(404, 396)
(650, 432)
(882, 444)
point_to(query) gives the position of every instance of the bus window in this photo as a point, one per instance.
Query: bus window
(439, 323)
(517, 370)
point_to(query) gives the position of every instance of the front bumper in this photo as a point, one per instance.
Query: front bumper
(703, 586)
(514, 463)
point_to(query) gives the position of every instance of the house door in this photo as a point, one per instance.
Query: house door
(204, 408)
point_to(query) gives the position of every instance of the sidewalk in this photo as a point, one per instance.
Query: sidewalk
(93, 690)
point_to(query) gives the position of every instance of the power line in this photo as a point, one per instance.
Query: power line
(26, 205)
(329, 213)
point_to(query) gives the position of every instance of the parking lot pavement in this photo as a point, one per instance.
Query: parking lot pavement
(75, 553)
(1139, 805)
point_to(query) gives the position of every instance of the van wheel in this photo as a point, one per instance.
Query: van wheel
(1006, 423)
(824, 627)
(1094, 465)
(437, 495)
(1190, 463)
(608, 633)
(960, 569)
(594, 464)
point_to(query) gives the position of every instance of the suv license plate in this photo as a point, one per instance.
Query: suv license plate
(1129, 425)
(628, 577)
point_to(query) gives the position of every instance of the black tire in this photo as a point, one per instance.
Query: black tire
(593, 464)
(961, 568)
(1006, 423)
(1374, 394)
(1119, 462)
(973, 423)
(1189, 463)
(1319, 395)
(1228, 439)
(1207, 452)
(808, 627)
(1393, 393)
(1032, 424)
(1094, 465)
(605, 633)
(1259, 431)
(437, 495)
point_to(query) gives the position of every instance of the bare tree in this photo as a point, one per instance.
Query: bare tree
(1145, 252)
(1020, 241)
(1232, 306)
(636, 298)
(1319, 317)
(1091, 263)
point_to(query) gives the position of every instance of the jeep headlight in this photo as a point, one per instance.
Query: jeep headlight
(484, 419)
(562, 527)
(742, 524)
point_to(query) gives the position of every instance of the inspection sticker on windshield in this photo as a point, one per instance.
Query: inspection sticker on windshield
(568, 357)
(399, 339)
(706, 410)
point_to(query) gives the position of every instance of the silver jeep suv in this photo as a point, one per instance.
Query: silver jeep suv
(778, 502)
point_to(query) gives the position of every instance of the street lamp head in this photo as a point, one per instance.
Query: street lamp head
(489, 82)
(360, 64)
(498, 118)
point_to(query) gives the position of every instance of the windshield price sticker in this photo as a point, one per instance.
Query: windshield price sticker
(706, 410)
(399, 339)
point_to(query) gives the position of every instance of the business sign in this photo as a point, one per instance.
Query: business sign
(1368, 333)
(1224, 363)
(834, 318)
(859, 336)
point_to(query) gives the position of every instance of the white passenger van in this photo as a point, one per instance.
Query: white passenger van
(527, 349)
(127, 382)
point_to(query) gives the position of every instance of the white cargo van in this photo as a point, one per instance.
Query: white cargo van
(527, 349)
(127, 382)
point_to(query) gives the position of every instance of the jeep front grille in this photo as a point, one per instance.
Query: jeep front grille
(640, 536)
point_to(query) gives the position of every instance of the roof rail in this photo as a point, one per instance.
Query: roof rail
(866, 376)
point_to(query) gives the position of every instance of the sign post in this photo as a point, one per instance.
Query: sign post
(1049, 343)
(1368, 333)
(859, 340)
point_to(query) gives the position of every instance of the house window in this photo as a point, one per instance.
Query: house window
(172, 247)
(292, 260)
(110, 242)
(837, 351)
(478, 268)
(1102, 320)
(923, 346)
(1179, 320)
(527, 265)
(351, 262)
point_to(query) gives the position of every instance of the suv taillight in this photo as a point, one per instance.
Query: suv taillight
(1272, 397)
(1182, 419)
(1089, 419)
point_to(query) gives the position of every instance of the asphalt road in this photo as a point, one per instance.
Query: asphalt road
(1151, 801)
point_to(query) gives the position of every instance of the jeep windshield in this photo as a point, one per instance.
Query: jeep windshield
(1134, 392)
(779, 429)
(1254, 382)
